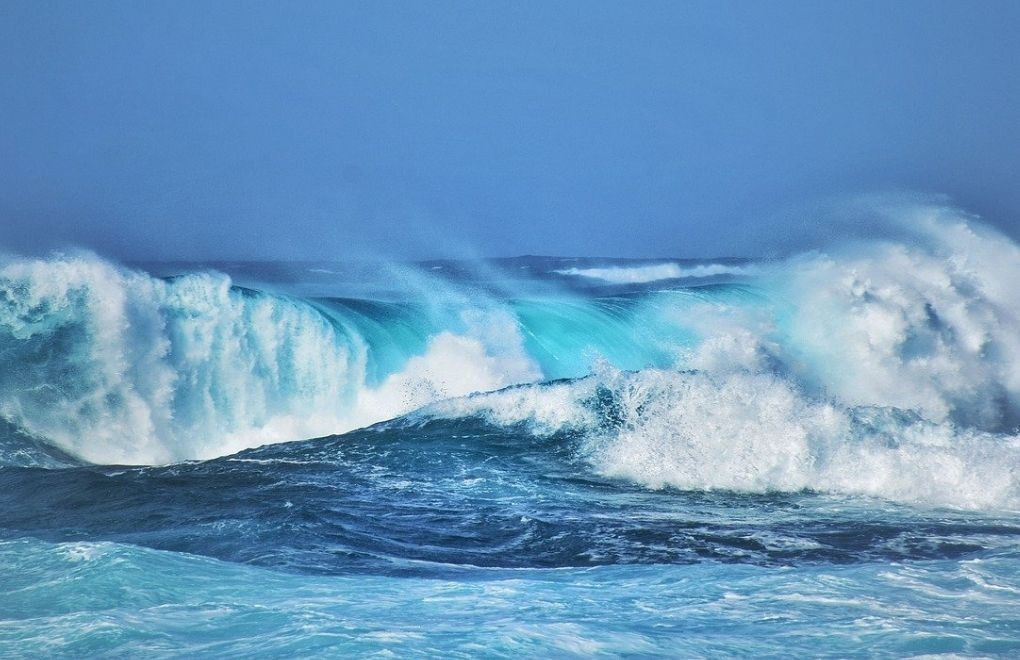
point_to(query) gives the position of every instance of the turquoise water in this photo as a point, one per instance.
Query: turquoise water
(76, 599)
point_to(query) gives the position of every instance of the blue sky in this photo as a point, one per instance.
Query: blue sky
(326, 130)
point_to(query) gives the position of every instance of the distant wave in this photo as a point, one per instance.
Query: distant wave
(655, 272)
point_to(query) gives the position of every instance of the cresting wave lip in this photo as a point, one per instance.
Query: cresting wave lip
(760, 386)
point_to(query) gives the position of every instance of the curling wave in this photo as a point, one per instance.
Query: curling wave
(113, 366)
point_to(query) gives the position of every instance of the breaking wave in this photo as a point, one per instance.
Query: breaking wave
(887, 368)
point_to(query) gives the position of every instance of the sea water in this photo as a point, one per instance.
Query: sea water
(809, 455)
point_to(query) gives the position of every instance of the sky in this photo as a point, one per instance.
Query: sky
(327, 130)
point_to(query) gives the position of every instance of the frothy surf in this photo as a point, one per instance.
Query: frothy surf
(656, 272)
(754, 433)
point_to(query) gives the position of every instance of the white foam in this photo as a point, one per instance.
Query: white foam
(655, 272)
(757, 433)
(929, 325)
(490, 358)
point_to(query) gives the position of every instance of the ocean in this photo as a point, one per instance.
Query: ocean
(811, 454)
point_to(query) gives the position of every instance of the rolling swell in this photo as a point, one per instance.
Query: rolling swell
(448, 497)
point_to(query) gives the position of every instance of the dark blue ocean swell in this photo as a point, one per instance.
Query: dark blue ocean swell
(443, 497)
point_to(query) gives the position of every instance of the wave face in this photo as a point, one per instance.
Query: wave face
(311, 459)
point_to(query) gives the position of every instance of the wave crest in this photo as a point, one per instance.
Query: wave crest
(114, 366)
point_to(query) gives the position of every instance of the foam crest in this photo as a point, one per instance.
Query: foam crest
(489, 356)
(655, 272)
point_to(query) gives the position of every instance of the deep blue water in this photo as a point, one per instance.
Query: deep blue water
(541, 456)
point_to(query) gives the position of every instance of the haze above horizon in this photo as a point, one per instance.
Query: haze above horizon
(318, 131)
